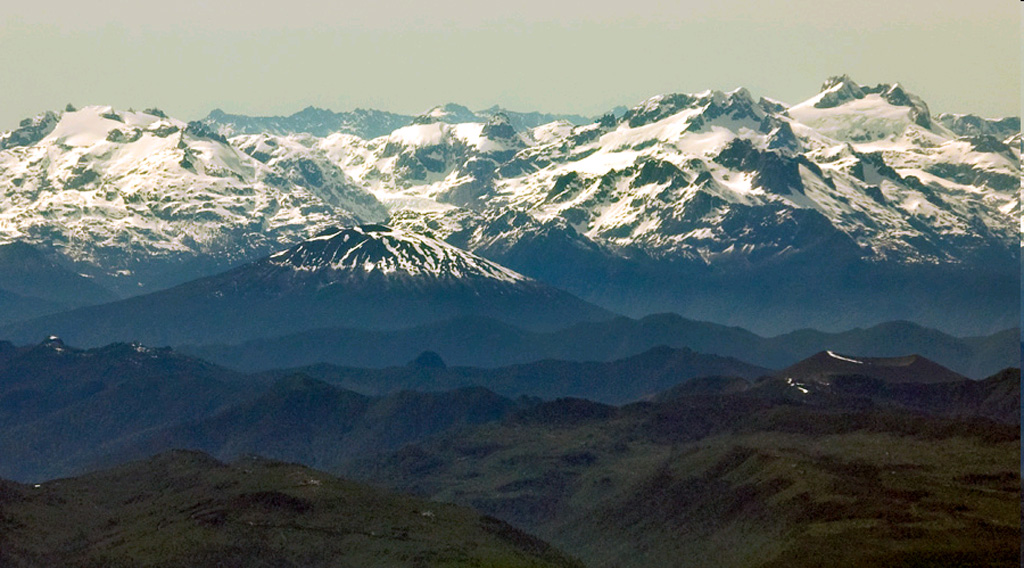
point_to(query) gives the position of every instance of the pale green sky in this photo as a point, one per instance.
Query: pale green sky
(276, 57)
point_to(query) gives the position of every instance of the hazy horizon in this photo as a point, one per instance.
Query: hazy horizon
(264, 58)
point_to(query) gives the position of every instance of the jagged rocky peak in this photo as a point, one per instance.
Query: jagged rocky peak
(499, 126)
(315, 113)
(657, 108)
(380, 249)
(450, 113)
(366, 124)
(860, 114)
(260, 147)
(781, 137)
(201, 130)
(30, 130)
(974, 125)
(896, 95)
(524, 121)
(739, 97)
(772, 106)
(737, 105)
(837, 90)
(836, 81)
(840, 90)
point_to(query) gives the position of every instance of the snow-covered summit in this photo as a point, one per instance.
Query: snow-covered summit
(845, 110)
(450, 113)
(722, 177)
(114, 189)
(836, 91)
(382, 250)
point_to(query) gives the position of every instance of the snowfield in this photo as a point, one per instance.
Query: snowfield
(715, 178)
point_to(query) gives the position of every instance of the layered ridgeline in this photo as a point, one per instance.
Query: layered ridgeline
(839, 459)
(368, 276)
(64, 410)
(367, 123)
(141, 199)
(852, 207)
(484, 342)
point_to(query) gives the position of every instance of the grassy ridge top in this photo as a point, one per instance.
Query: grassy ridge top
(725, 481)
(187, 509)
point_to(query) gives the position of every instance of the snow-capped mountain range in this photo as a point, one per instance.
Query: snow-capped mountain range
(716, 176)
(369, 124)
(116, 190)
(718, 183)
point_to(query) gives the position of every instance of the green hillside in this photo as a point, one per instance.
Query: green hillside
(729, 481)
(187, 509)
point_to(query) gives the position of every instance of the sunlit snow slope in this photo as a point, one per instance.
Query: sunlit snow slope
(117, 190)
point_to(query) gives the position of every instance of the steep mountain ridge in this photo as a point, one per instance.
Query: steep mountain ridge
(974, 125)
